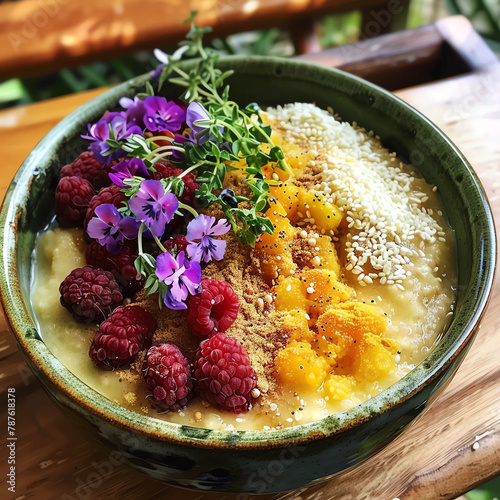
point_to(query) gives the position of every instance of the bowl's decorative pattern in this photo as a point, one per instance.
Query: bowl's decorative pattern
(252, 461)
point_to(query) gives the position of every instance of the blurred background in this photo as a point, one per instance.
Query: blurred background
(34, 82)
(44, 54)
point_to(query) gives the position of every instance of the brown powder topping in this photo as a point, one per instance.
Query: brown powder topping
(254, 327)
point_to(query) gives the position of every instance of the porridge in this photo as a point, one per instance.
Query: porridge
(344, 296)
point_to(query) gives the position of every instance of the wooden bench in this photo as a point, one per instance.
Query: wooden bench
(40, 37)
(447, 48)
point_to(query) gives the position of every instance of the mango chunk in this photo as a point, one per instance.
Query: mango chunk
(375, 357)
(327, 255)
(277, 243)
(288, 195)
(299, 367)
(324, 290)
(353, 319)
(290, 294)
(326, 216)
(294, 325)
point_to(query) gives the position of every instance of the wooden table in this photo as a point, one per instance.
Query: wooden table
(451, 449)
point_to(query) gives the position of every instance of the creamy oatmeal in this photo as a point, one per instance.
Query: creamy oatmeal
(346, 296)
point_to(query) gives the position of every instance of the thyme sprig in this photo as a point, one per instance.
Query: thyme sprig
(235, 134)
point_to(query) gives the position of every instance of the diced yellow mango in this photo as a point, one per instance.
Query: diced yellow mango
(374, 357)
(333, 345)
(353, 319)
(277, 243)
(294, 325)
(288, 195)
(271, 171)
(328, 257)
(290, 294)
(326, 216)
(296, 157)
(324, 290)
(299, 367)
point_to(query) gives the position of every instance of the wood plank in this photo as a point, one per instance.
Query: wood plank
(40, 37)
(397, 60)
(453, 447)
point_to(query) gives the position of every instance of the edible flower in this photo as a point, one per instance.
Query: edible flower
(161, 114)
(181, 276)
(154, 206)
(195, 114)
(202, 245)
(110, 229)
(134, 110)
(111, 126)
(127, 169)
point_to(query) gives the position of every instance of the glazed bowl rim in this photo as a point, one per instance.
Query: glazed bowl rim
(85, 398)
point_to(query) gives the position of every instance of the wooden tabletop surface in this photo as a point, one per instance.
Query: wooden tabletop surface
(452, 448)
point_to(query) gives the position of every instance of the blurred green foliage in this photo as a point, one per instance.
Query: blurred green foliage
(488, 491)
(484, 15)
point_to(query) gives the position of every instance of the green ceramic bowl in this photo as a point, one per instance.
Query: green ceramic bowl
(267, 461)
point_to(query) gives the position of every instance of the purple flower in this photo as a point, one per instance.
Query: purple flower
(134, 113)
(199, 236)
(127, 169)
(181, 276)
(162, 114)
(99, 134)
(196, 113)
(110, 229)
(153, 206)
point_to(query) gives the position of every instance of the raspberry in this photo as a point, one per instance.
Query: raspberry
(214, 309)
(73, 195)
(126, 332)
(111, 194)
(121, 264)
(89, 168)
(224, 373)
(90, 294)
(165, 170)
(168, 376)
(178, 241)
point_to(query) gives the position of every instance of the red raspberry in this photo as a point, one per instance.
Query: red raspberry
(111, 194)
(165, 170)
(121, 264)
(126, 332)
(224, 373)
(178, 241)
(214, 309)
(168, 376)
(73, 195)
(90, 294)
(89, 168)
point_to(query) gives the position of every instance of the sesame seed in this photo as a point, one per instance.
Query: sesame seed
(255, 393)
(382, 201)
